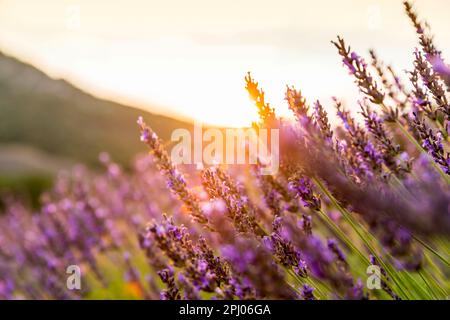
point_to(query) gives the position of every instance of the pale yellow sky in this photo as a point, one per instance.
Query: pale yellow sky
(188, 58)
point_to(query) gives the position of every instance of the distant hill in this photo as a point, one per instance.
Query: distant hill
(59, 119)
(47, 125)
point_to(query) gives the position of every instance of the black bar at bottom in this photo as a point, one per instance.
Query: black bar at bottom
(222, 309)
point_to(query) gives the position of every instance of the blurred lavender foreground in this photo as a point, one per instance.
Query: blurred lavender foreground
(374, 193)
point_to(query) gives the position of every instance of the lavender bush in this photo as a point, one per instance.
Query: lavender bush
(364, 193)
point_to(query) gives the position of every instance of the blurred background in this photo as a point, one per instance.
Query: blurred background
(75, 75)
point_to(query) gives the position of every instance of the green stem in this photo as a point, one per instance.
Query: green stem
(349, 219)
(418, 291)
(302, 281)
(438, 287)
(429, 248)
(342, 236)
(428, 286)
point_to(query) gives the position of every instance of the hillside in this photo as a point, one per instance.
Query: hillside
(47, 125)
(61, 120)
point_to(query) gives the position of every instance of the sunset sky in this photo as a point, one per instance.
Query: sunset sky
(188, 59)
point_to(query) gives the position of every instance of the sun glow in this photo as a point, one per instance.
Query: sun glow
(188, 59)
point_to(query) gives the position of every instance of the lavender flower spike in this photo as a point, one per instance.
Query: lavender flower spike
(175, 179)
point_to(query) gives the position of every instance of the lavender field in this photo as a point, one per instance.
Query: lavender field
(359, 209)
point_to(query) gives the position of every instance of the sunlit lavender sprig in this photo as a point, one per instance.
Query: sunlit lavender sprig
(265, 111)
(272, 198)
(219, 185)
(175, 179)
(432, 82)
(284, 251)
(432, 143)
(421, 101)
(426, 41)
(298, 105)
(202, 270)
(389, 149)
(321, 120)
(358, 68)
(172, 292)
(360, 142)
(302, 187)
(254, 262)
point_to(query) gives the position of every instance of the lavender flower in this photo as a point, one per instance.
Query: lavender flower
(307, 292)
(321, 121)
(421, 102)
(360, 143)
(426, 41)
(297, 104)
(172, 292)
(219, 185)
(175, 179)
(358, 68)
(253, 262)
(432, 143)
(390, 151)
(432, 81)
(266, 113)
(284, 251)
(302, 187)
